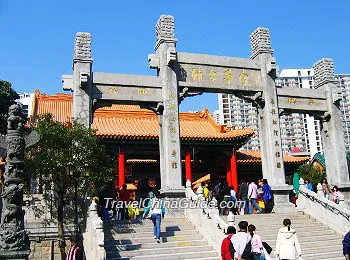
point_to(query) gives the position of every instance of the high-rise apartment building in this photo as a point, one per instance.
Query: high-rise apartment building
(297, 130)
(26, 99)
(239, 114)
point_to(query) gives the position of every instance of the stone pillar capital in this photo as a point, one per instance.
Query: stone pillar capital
(82, 47)
(165, 30)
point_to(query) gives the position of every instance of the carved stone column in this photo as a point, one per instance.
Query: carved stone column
(165, 62)
(82, 79)
(268, 121)
(14, 241)
(332, 128)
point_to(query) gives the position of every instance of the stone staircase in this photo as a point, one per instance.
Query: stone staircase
(179, 240)
(316, 240)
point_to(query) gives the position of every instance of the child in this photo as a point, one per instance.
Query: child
(336, 194)
(133, 210)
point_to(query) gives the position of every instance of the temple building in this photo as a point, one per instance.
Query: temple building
(132, 134)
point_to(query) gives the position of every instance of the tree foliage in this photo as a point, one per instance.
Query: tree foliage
(61, 145)
(312, 173)
(7, 98)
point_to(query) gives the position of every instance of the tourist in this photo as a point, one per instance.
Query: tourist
(241, 239)
(287, 244)
(243, 195)
(253, 196)
(256, 242)
(124, 197)
(76, 251)
(227, 198)
(326, 189)
(308, 184)
(155, 211)
(227, 250)
(346, 246)
(267, 196)
(205, 191)
(336, 194)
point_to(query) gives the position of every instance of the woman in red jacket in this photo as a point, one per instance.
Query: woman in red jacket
(227, 250)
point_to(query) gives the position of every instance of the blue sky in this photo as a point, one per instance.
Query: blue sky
(37, 37)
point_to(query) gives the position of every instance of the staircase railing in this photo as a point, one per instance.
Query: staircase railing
(206, 219)
(94, 235)
(323, 210)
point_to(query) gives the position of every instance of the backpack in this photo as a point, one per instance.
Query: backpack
(227, 249)
(267, 193)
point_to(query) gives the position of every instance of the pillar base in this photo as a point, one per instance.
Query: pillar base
(281, 199)
(14, 255)
(174, 195)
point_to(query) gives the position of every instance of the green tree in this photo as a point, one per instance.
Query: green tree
(312, 173)
(7, 98)
(61, 145)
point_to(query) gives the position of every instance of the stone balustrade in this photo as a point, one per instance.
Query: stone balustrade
(94, 235)
(323, 210)
(206, 220)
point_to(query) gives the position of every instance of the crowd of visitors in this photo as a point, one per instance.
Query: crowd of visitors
(330, 194)
(257, 198)
(246, 244)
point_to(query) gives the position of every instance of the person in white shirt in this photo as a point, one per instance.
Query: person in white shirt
(287, 244)
(253, 196)
(241, 239)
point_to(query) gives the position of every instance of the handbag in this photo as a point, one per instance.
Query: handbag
(267, 247)
(247, 253)
(149, 215)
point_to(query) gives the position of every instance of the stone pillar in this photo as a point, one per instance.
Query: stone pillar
(170, 130)
(233, 167)
(82, 79)
(121, 167)
(14, 241)
(268, 120)
(188, 165)
(332, 129)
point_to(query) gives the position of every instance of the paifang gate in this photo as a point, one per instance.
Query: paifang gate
(185, 74)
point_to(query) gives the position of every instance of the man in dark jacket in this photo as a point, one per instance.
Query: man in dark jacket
(243, 195)
(227, 250)
(346, 246)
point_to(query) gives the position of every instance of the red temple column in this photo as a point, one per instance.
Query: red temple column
(234, 174)
(228, 173)
(121, 167)
(188, 166)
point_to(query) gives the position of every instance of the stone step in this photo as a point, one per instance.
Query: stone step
(159, 251)
(319, 237)
(321, 249)
(301, 235)
(189, 255)
(150, 228)
(151, 244)
(320, 242)
(330, 255)
(151, 234)
(145, 221)
(138, 240)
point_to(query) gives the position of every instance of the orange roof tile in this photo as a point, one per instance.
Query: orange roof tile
(254, 157)
(59, 105)
(132, 122)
